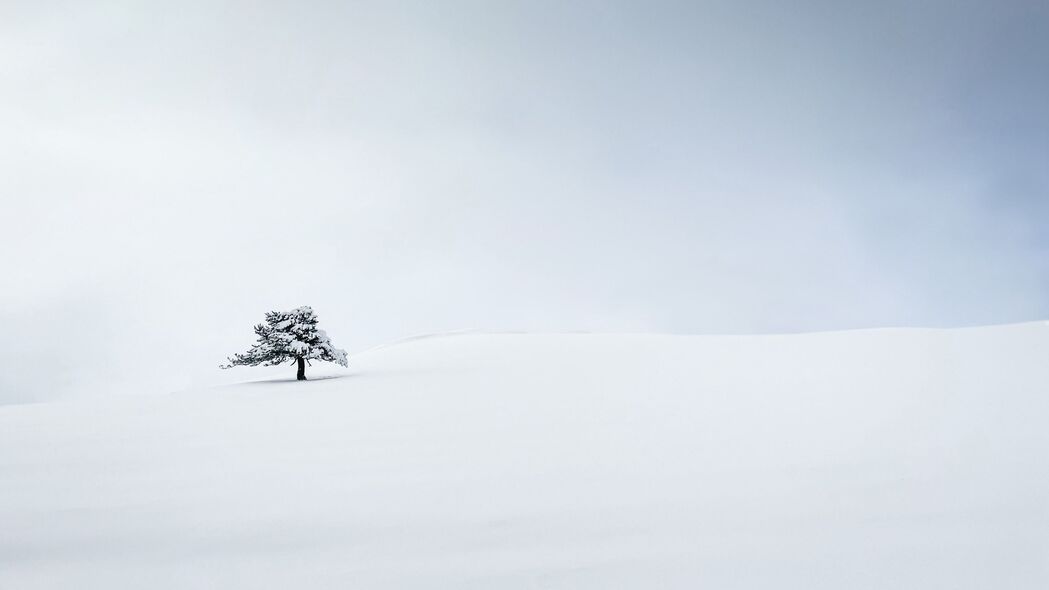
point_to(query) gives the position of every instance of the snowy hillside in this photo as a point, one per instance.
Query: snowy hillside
(903, 459)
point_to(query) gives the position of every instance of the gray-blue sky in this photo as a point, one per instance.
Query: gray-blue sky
(172, 170)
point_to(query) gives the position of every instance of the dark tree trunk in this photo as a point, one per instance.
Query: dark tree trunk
(301, 375)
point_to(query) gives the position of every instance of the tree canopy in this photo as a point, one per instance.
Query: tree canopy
(289, 336)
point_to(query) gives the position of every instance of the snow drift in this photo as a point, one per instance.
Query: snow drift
(872, 459)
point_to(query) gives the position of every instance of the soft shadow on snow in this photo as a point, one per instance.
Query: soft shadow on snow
(294, 380)
(367, 374)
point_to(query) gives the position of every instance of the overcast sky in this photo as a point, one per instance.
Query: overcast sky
(172, 170)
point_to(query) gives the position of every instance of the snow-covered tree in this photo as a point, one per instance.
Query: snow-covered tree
(289, 336)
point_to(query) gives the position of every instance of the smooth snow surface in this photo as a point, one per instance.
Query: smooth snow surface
(902, 459)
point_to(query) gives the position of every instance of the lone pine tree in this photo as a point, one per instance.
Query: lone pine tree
(289, 336)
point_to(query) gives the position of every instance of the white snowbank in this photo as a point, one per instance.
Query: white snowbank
(876, 459)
